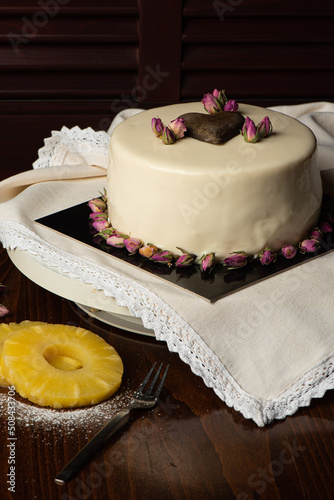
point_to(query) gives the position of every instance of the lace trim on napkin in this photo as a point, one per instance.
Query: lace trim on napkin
(75, 140)
(179, 336)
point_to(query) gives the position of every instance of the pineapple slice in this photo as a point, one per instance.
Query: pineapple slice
(5, 330)
(60, 365)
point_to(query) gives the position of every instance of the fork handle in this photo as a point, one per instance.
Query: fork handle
(93, 446)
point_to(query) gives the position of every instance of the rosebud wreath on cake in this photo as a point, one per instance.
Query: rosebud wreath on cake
(176, 130)
(236, 260)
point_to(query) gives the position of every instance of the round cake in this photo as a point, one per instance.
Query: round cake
(214, 198)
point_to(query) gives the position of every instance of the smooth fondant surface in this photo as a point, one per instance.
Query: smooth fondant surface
(214, 198)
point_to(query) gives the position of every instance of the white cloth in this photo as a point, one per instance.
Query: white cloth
(265, 350)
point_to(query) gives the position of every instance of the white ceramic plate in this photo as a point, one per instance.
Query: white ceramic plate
(128, 323)
(93, 302)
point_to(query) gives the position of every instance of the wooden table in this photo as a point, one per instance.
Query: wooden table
(190, 446)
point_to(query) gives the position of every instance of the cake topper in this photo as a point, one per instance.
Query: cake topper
(222, 123)
(216, 128)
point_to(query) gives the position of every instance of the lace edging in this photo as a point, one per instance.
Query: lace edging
(74, 140)
(179, 336)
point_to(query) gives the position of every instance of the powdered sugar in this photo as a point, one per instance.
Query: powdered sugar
(29, 415)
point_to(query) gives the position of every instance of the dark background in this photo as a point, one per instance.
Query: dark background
(79, 62)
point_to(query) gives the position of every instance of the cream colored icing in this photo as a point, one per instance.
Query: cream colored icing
(206, 198)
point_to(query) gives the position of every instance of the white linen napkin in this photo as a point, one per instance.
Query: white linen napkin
(265, 350)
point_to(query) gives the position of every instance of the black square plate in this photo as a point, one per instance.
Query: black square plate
(74, 222)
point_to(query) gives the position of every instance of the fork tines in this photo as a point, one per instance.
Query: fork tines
(148, 392)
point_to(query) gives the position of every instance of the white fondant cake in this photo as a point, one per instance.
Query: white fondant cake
(206, 198)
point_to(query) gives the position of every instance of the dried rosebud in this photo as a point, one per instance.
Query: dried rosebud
(185, 260)
(178, 127)
(237, 260)
(97, 205)
(98, 215)
(267, 256)
(325, 227)
(308, 246)
(220, 95)
(105, 233)
(132, 244)
(211, 103)
(148, 250)
(208, 262)
(168, 136)
(231, 106)
(104, 196)
(288, 251)
(316, 234)
(162, 256)
(250, 131)
(101, 224)
(157, 126)
(3, 311)
(116, 240)
(265, 127)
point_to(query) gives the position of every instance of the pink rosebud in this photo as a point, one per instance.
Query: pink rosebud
(98, 215)
(99, 225)
(148, 250)
(265, 127)
(231, 106)
(267, 256)
(308, 246)
(316, 234)
(105, 233)
(237, 260)
(250, 131)
(178, 127)
(185, 260)
(132, 244)
(325, 227)
(162, 256)
(97, 205)
(168, 136)
(116, 240)
(211, 103)
(220, 95)
(208, 262)
(288, 251)
(3, 311)
(157, 126)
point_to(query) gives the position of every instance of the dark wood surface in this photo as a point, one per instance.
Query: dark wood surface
(191, 446)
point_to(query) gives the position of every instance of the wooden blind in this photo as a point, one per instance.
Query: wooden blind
(268, 52)
(78, 62)
(62, 62)
(68, 49)
(260, 51)
(78, 49)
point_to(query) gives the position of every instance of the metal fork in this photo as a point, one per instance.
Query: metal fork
(143, 398)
